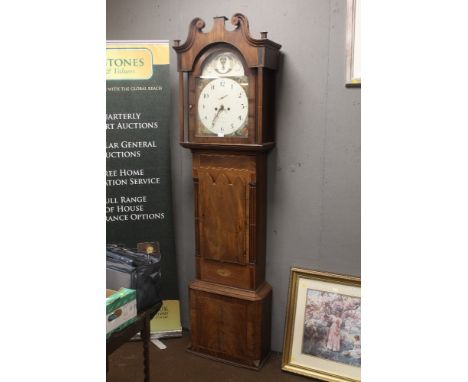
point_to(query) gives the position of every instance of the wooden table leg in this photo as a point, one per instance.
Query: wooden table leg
(145, 336)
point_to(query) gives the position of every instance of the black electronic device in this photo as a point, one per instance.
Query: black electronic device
(133, 270)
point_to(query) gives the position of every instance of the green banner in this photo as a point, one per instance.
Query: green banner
(138, 177)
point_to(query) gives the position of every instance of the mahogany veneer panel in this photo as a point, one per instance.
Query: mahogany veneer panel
(222, 216)
(230, 324)
(230, 221)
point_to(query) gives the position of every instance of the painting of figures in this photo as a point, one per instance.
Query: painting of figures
(332, 327)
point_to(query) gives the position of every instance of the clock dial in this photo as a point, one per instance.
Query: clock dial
(223, 107)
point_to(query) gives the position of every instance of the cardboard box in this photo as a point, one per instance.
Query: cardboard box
(121, 309)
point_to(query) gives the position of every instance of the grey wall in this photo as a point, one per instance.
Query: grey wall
(314, 172)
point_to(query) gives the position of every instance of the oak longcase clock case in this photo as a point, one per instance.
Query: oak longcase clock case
(226, 102)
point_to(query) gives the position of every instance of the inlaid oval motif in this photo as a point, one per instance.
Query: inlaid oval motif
(223, 272)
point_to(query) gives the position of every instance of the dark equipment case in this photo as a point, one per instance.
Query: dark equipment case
(135, 270)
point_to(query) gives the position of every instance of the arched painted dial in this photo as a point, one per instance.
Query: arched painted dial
(223, 106)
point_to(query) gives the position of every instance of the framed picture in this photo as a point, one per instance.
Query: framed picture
(323, 326)
(353, 43)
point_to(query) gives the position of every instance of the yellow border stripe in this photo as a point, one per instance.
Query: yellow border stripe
(160, 50)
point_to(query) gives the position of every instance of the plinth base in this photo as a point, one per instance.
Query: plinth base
(230, 325)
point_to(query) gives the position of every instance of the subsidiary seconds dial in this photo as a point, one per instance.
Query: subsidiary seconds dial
(223, 106)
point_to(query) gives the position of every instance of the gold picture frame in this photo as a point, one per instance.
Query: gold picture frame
(323, 326)
(353, 44)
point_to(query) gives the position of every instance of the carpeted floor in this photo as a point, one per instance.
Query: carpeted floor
(175, 364)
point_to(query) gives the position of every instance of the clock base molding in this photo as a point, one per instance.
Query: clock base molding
(230, 325)
(227, 362)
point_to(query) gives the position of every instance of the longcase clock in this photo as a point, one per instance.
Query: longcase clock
(226, 102)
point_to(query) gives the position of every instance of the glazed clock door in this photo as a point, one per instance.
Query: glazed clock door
(222, 99)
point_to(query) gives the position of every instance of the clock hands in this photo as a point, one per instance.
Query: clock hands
(217, 115)
(219, 99)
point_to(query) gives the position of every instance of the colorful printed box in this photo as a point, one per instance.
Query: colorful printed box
(121, 309)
